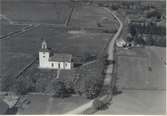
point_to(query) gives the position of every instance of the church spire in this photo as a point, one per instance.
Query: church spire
(44, 45)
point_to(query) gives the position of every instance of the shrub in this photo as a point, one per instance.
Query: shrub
(59, 89)
(149, 68)
(93, 88)
(90, 79)
(97, 104)
(115, 7)
(153, 13)
(41, 84)
(99, 25)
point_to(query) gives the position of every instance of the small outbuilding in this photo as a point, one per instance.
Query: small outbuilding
(120, 43)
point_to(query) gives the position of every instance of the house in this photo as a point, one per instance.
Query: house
(120, 43)
(50, 60)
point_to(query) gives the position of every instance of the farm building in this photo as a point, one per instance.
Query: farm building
(50, 60)
(120, 43)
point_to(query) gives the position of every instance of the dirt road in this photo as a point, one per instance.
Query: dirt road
(109, 68)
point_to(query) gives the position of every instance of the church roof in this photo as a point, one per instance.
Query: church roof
(61, 57)
(44, 50)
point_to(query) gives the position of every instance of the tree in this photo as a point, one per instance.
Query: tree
(154, 13)
(150, 41)
(59, 89)
(92, 89)
(139, 40)
(97, 104)
(115, 7)
(129, 38)
(132, 30)
(99, 24)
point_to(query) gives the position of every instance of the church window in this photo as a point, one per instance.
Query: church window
(65, 64)
(52, 64)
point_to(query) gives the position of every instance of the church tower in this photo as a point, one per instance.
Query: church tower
(44, 56)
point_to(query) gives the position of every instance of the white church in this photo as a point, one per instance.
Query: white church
(49, 60)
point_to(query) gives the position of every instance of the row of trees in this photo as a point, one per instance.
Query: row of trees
(147, 40)
(150, 28)
(155, 34)
(154, 13)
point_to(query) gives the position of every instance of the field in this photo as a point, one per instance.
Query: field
(43, 104)
(30, 42)
(36, 12)
(146, 68)
(8, 28)
(143, 89)
(137, 102)
(92, 17)
(13, 61)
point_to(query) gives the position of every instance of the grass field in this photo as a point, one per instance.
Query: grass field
(134, 71)
(36, 12)
(137, 102)
(43, 104)
(90, 16)
(76, 44)
(8, 28)
(143, 90)
(13, 63)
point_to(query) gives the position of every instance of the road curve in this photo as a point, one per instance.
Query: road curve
(107, 80)
(112, 43)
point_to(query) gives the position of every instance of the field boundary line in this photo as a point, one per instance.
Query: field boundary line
(69, 17)
(25, 68)
(19, 32)
(153, 89)
(132, 56)
(87, 63)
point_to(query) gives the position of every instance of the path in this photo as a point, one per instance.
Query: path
(49, 105)
(110, 50)
(58, 73)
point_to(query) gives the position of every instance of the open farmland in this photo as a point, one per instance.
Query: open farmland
(36, 12)
(13, 63)
(42, 104)
(8, 29)
(137, 102)
(138, 75)
(92, 17)
(76, 44)
(143, 89)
